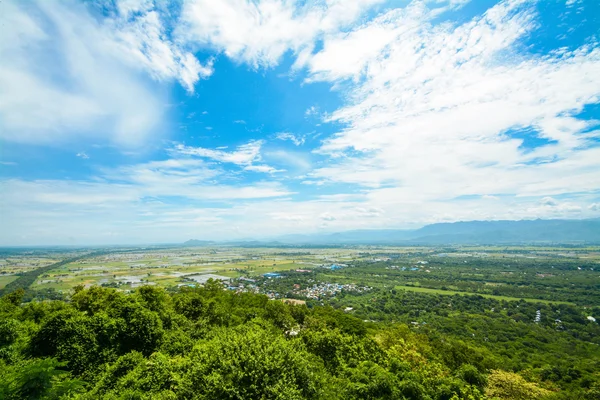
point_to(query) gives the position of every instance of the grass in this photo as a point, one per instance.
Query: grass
(489, 296)
(6, 279)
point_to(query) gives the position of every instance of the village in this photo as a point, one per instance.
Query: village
(263, 284)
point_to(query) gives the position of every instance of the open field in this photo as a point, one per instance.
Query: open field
(6, 279)
(488, 296)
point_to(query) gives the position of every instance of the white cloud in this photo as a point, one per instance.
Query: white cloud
(550, 207)
(143, 203)
(176, 176)
(369, 212)
(327, 217)
(67, 73)
(262, 168)
(297, 140)
(292, 159)
(142, 35)
(548, 201)
(245, 154)
(428, 114)
(312, 110)
(260, 32)
(82, 154)
(282, 216)
(140, 202)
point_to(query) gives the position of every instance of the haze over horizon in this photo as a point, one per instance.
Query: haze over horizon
(134, 121)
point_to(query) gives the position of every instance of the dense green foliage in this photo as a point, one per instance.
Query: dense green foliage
(546, 278)
(209, 343)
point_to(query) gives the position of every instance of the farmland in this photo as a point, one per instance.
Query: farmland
(545, 274)
(131, 269)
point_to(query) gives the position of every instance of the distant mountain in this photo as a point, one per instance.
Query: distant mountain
(464, 232)
(554, 230)
(198, 243)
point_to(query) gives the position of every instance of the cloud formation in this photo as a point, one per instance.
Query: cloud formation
(444, 116)
(69, 72)
(146, 200)
(245, 154)
(434, 105)
(297, 140)
(261, 32)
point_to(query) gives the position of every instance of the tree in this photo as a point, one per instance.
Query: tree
(15, 297)
(40, 379)
(472, 376)
(506, 385)
(138, 329)
(249, 362)
(370, 381)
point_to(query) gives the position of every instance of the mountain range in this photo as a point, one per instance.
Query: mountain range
(464, 232)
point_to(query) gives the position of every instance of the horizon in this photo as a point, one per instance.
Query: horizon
(146, 122)
(280, 240)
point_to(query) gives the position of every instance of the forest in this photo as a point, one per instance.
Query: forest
(211, 343)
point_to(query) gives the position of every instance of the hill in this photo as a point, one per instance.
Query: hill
(496, 232)
(210, 343)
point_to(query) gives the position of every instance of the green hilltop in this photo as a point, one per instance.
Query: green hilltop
(210, 343)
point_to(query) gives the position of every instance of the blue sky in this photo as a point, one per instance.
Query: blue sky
(135, 121)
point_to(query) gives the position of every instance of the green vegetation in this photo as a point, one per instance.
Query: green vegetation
(488, 296)
(391, 323)
(6, 279)
(209, 343)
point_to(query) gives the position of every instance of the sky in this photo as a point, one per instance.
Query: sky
(141, 121)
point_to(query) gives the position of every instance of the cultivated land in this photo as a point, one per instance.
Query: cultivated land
(167, 268)
(560, 275)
